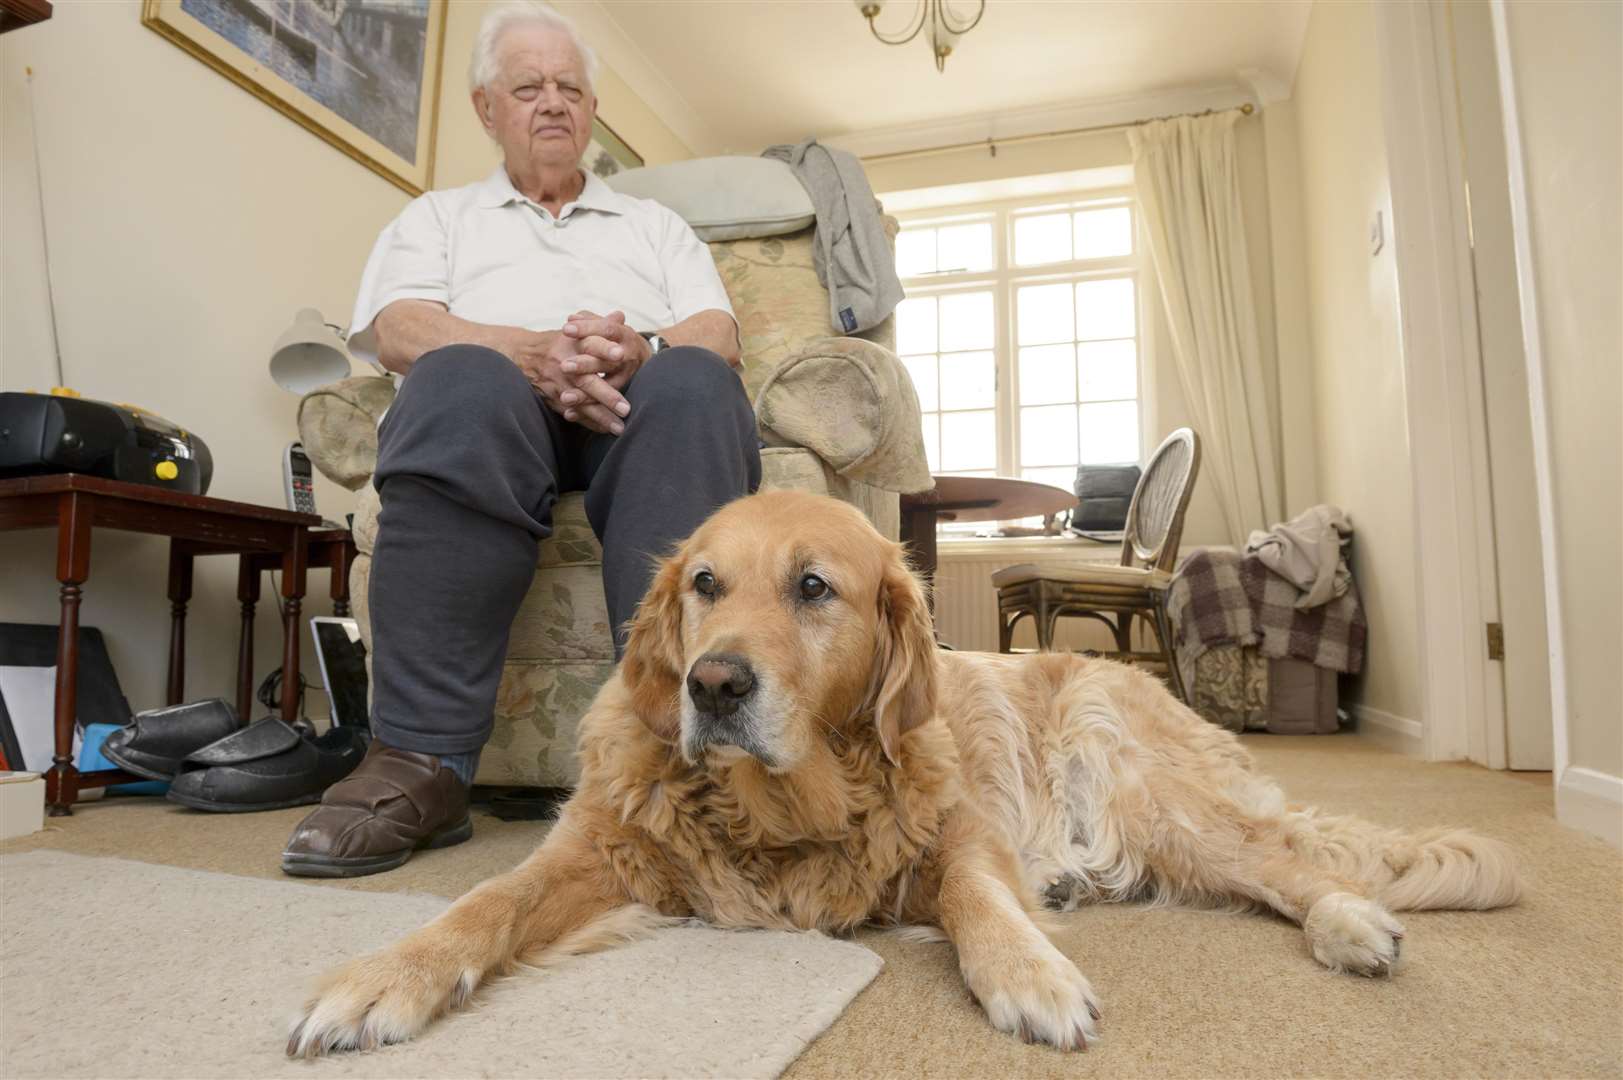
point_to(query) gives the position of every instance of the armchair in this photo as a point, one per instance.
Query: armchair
(836, 415)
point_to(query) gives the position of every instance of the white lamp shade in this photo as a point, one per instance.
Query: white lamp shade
(308, 354)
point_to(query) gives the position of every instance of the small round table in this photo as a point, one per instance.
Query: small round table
(973, 498)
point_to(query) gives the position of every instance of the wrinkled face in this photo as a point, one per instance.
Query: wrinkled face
(783, 620)
(540, 108)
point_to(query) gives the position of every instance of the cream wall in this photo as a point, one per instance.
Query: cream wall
(1569, 99)
(1359, 410)
(1166, 407)
(187, 223)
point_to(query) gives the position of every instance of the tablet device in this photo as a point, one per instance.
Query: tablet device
(342, 657)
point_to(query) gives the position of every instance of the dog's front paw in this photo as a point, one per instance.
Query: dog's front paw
(1350, 933)
(387, 997)
(1039, 995)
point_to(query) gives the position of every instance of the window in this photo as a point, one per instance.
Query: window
(1021, 333)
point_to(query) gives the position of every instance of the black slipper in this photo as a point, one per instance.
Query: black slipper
(267, 766)
(155, 742)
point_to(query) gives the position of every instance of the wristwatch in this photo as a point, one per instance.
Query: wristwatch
(655, 342)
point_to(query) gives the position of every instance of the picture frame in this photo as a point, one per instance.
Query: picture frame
(607, 153)
(363, 77)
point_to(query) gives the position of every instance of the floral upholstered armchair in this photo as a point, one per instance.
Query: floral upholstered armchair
(837, 415)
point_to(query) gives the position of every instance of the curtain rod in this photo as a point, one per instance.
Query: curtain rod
(992, 144)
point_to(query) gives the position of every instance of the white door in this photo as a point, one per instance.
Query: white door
(1526, 741)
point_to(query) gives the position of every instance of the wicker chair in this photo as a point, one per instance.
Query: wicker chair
(1115, 595)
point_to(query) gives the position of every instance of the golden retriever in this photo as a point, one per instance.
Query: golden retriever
(784, 746)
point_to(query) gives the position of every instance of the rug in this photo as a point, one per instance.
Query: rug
(117, 968)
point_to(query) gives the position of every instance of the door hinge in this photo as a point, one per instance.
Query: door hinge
(1496, 641)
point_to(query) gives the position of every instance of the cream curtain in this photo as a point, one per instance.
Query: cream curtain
(1187, 176)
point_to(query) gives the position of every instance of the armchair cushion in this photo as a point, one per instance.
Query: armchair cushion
(338, 425)
(852, 403)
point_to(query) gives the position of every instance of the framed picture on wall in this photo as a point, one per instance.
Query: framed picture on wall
(607, 153)
(362, 74)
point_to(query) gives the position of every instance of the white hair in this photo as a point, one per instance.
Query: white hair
(485, 65)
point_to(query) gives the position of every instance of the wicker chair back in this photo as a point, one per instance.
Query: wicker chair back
(1155, 518)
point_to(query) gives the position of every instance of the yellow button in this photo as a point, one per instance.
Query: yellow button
(166, 470)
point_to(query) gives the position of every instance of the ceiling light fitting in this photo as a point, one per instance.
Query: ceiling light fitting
(945, 28)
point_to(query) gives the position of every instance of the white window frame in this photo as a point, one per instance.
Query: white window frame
(1005, 278)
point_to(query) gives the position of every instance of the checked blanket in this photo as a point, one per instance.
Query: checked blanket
(1224, 597)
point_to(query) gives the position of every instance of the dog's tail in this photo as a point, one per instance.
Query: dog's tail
(1436, 868)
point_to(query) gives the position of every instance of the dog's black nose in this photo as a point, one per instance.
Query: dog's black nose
(719, 682)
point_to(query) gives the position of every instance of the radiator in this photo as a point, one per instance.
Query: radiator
(966, 604)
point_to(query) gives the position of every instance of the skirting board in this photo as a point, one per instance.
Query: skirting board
(1592, 801)
(1388, 730)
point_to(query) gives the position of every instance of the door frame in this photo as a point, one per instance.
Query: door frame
(1532, 344)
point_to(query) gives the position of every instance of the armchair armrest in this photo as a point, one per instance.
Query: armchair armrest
(338, 424)
(851, 403)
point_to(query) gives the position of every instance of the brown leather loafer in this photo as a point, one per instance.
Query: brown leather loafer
(394, 803)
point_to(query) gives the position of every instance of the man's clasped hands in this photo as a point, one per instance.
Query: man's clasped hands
(581, 369)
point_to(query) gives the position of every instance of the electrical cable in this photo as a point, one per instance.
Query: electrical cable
(44, 231)
(269, 695)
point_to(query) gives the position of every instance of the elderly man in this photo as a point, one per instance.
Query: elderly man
(553, 336)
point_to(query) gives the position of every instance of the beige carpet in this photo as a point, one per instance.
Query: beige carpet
(110, 967)
(1534, 991)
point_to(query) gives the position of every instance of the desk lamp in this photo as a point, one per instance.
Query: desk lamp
(309, 354)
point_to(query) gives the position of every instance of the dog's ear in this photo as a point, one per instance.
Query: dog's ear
(652, 667)
(904, 674)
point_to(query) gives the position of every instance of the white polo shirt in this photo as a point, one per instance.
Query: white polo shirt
(490, 255)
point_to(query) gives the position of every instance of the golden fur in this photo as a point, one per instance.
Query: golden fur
(887, 781)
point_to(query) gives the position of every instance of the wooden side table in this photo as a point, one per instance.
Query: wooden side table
(196, 525)
(329, 549)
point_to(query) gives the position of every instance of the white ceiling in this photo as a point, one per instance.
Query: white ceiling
(737, 75)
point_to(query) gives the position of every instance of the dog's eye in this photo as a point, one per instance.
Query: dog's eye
(704, 582)
(813, 587)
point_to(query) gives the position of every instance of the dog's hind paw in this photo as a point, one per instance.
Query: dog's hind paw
(1042, 998)
(1062, 894)
(387, 997)
(1350, 933)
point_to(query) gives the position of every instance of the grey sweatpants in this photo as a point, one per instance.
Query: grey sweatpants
(470, 463)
